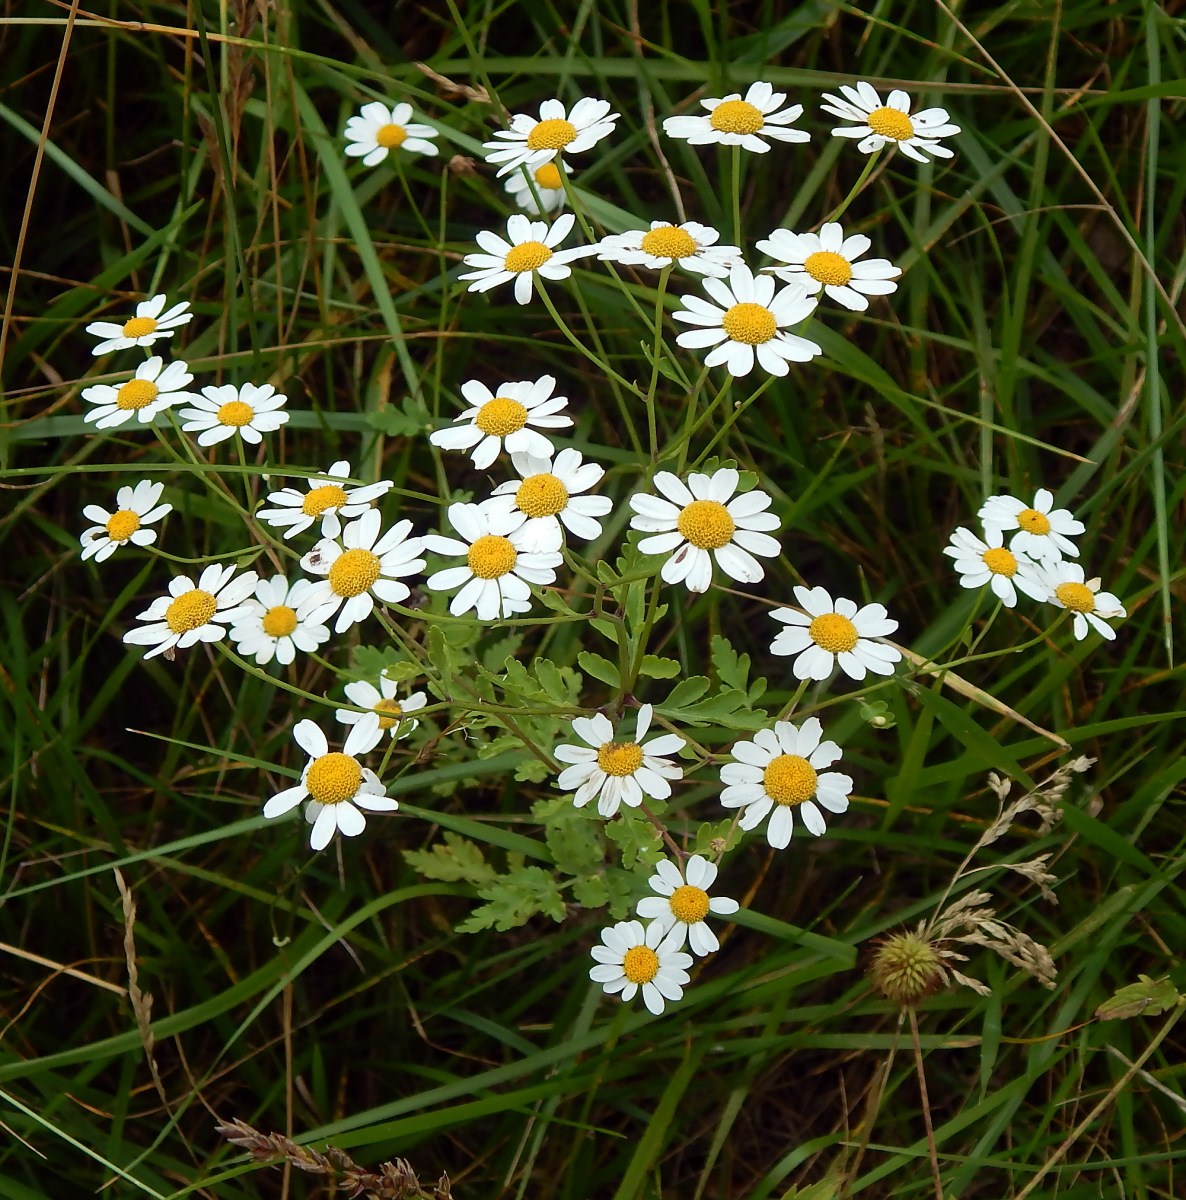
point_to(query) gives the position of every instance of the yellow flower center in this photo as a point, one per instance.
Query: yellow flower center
(121, 525)
(491, 556)
(668, 241)
(190, 610)
(333, 778)
(548, 176)
(619, 758)
(689, 904)
(1000, 562)
(236, 413)
(833, 633)
(1033, 521)
(390, 135)
(1078, 597)
(353, 572)
(640, 964)
(139, 326)
(551, 135)
(389, 711)
(541, 495)
(321, 498)
(706, 524)
(279, 621)
(501, 416)
(750, 323)
(891, 123)
(789, 779)
(527, 256)
(826, 266)
(736, 116)
(136, 393)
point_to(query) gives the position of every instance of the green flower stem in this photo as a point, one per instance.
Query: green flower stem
(208, 558)
(857, 187)
(736, 195)
(731, 419)
(657, 351)
(274, 680)
(568, 333)
(429, 236)
(788, 709)
(648, 623)
(692, 425)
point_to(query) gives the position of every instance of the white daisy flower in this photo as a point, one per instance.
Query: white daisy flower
(393, 713)
(193, 612)
(732, 121)
(748, 323)
(149, 392)
(548, 186)
(220, 412)
(336, 784)
(378, 130)
(827, 260)
(683, 902)
(632, 957)
(137, 508)
(988, 562)
(829, 633)
(690, 245)
(529, 142)
(149, 324)
(1039, 530)
(531, 249)
(511, 418)
(890, 123)
(1065, 586)
(498, 566)
(704, 519)
(327, 498)
(545, 496)
(778, 771)
(359, 569)
(617, 772)
(270, 628)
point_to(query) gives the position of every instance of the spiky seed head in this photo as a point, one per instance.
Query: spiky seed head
(906, 968)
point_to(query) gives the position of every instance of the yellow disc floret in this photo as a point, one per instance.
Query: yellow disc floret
(833, 633)
(235, 413)
(190, 610)
(619, 758)
(750, 323)
(640, 964)
(826, 266)
(891, 123)
(551, 135)
(541, 495)
(491, 556)
(527, 256)
(136, 393)
(353, 572)
(706, 524)
(501, 416)
(736, 116)
(789, 779)
(333, 778)
(1000, 562)
(390, 136)
(548, 176)
(121, 525)
(321, 498)
(389, 711)
(668, 241)
(1078, 597)
(279, 621)
(689, 904)
(139, 326)
(1033, 521)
